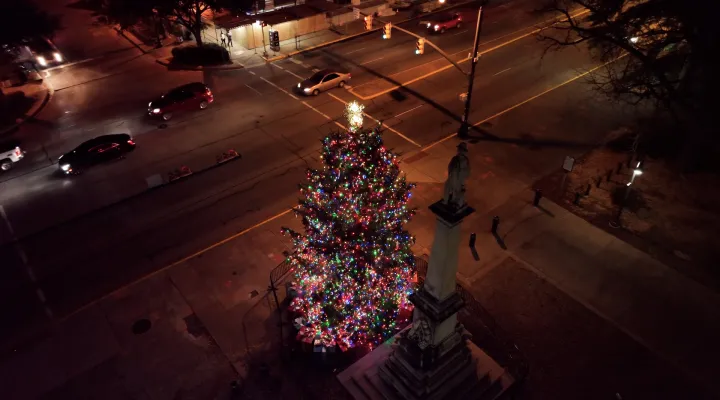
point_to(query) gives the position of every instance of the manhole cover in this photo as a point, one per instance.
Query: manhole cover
(141, 326)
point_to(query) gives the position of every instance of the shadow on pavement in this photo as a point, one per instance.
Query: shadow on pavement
(90, 5)
(476, 133)
(13, 106)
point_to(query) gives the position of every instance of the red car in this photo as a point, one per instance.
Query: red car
(184, 98)
(445, 22)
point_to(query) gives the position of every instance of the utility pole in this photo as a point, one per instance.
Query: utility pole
(262, 35)
(464, 128)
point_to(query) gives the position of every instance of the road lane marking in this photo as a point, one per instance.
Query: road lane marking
(87, 60)
(395, 131)
(573, 79)
(505, 70)
(288, 71)
(459, 33)
(178, 262)
(405, 112)
(373, 60)
(316, 110)
(298, 62)
(355, 51)
(411, 81)
(253, 89)
(469, 49)
(281, 89)
(28, 268)
(503, 44)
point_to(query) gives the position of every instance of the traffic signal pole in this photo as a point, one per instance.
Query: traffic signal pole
(431, 44)
(465, 127)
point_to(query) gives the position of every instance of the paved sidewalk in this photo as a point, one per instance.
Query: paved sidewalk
(673, 316)
(18, 104)
(350, 30)
(208, 312)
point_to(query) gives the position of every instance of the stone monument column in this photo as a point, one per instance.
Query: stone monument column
(433, 358)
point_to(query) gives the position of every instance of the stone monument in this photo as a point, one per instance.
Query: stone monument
(433, 358)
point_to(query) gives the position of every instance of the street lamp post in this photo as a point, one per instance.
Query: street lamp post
(636, 172)
(262, 35)
(464, 127)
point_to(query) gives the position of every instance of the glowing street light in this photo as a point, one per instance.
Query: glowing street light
(636, 172)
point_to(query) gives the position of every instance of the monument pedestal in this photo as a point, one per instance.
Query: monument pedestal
(478, 377)
(433, 359)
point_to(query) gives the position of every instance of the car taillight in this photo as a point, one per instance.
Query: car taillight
(130, 142)
(18, 152)
(208, 92)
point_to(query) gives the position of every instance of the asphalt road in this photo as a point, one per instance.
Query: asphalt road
(77, 255)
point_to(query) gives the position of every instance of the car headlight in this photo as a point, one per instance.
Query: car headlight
(57, 57)
(299, 85)
(156, 111)
(429, 24)
(42, 61)
(65, 167)
(307, 89)
(150, 104)
(437, 27)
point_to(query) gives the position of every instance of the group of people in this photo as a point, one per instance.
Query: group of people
(226, 38)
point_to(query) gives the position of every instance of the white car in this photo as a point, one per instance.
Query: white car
(322, 81)
(10, 153)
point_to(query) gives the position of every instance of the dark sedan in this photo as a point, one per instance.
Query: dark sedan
(95, 151)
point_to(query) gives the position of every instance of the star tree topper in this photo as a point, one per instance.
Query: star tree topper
(354, 114)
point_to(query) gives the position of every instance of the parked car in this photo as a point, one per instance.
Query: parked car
(430, 6)
(95, 151)
(44, 52)
(399, 5)
(184, 98)
(322, 81)
(444, 22)
(10, 153)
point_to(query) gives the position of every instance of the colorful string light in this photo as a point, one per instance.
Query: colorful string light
(354, 266)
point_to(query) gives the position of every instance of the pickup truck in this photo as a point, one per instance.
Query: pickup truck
(10, 153)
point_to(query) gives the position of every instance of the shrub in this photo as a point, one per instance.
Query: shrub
(209, 54)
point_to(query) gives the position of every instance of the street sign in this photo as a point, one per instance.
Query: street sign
(356, 12)
(568, 163)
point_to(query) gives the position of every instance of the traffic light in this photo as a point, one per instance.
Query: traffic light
(420, 46)
(387, 30)
(368, 22)
(274, 38)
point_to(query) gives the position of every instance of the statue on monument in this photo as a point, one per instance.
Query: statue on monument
(458, 172)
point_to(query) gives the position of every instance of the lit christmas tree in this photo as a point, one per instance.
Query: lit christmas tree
(353, 265)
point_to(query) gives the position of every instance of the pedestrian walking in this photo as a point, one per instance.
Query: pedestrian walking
(223, 39)
(229, 38)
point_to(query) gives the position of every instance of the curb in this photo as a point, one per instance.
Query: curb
(321, 45)
(33, 111)
(127, 35)
(181, 67)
